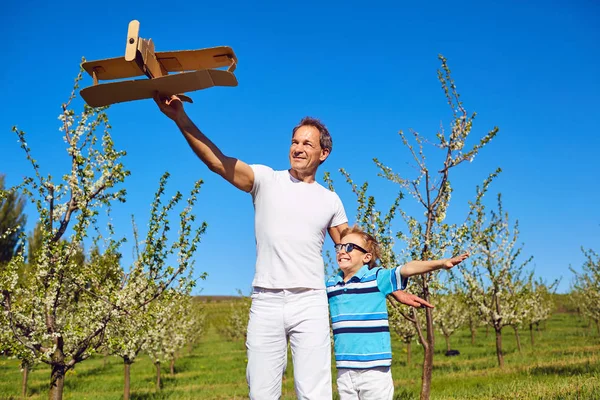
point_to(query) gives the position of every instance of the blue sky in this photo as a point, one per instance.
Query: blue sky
(367, 72)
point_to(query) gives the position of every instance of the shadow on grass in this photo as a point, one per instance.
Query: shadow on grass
(447, 368)
(72, 380)
(168, 386)
(38, 389)
(149, 396)
(566, 370)
(96, 370)
(403, 394)
(189, 363)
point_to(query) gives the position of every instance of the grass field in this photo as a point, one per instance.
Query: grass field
(564, 364)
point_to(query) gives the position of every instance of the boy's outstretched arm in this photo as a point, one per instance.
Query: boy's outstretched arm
(417, 267)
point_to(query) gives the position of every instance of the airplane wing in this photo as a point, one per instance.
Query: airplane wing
(113, 68)
(190, 60)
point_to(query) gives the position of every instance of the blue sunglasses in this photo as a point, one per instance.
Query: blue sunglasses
(348, 247)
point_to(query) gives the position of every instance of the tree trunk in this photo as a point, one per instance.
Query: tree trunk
(447, 342)
(499, 346)
(598, 326)
(104, 361)
(473, 329)
(57, 365)
(497, 324)
(172, 366)
(428, 348)
(127, 374)
(408, 354)
(57, 381)
(157, 364)
(532, 335)
(25, 377)
(487, 331)
(518, 338)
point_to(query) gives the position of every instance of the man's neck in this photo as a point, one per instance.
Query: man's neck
(304, 177)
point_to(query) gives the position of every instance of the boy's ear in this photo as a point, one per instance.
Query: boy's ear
(367, 257)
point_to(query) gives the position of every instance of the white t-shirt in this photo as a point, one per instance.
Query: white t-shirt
(290, 223)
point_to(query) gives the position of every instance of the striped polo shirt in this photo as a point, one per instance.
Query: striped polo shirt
(359, 316)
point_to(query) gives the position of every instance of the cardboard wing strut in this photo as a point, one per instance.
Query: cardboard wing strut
(193, 70)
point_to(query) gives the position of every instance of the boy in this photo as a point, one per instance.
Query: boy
(357, 303)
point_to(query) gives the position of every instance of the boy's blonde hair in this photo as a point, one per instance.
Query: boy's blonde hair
(372, 246)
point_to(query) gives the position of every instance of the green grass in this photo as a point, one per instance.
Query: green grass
(564, 364)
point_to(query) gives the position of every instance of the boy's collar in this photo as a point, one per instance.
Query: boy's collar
(358, 275)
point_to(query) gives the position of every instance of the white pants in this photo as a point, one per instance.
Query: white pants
(302, 316)
(365, 384)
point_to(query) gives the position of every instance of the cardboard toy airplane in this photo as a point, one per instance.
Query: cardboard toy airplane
(197, 70)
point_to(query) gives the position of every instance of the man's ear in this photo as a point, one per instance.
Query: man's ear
(324, 155)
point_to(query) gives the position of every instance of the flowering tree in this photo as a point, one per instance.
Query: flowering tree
(518, 302)
(405, 330)
(44, 316)
(530, 303)
(576, 300)
(151, 274)
(587, 285)
(429, 237)
(471, 313)
(126, 333)
(12, 221)
(174, 321)
(61, 317)
(125, 336)
(16, 350)
(234, 325)
(450, 314)
(494, 281)
(539, 305)
(185, 326)
(198, 325)
(157, 335)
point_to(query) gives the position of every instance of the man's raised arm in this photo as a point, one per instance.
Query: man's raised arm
(235, 171)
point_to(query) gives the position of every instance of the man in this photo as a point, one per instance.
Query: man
(292, 214)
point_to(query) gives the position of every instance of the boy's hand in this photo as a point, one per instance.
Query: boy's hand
(410, 299)
(451, 262)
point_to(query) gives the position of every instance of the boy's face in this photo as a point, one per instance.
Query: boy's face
(351, 261)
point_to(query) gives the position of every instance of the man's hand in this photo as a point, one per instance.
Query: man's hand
(451, 262)
(171, 106)
(410, 299)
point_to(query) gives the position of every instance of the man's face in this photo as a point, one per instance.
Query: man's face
(305, 152)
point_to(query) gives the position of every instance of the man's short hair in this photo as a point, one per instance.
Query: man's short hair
(324, 137)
